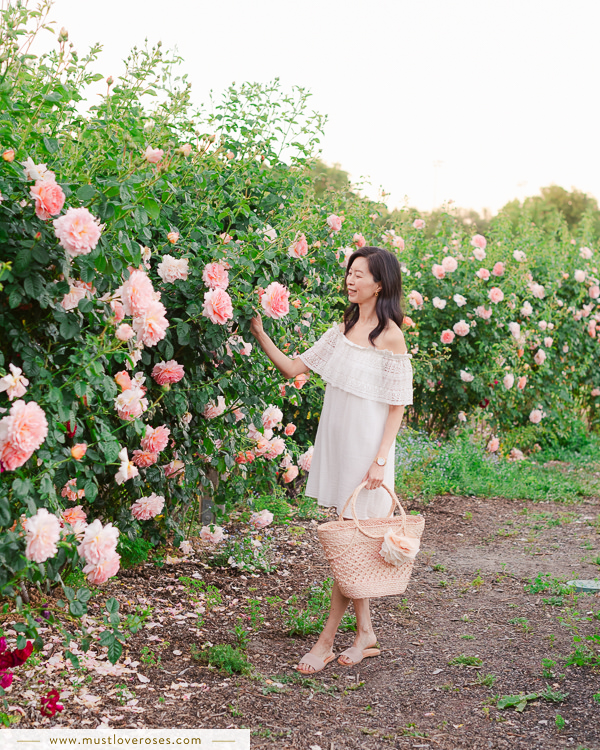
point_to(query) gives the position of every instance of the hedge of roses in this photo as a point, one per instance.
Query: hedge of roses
(141, 238)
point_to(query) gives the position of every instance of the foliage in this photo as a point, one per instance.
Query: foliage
(133, 551)
(311, 620)
(244, 555)
(465, 661)
(227, 659)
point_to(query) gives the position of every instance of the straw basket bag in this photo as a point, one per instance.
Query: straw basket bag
(353, 549)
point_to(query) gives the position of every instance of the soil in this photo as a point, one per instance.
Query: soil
(469, 582)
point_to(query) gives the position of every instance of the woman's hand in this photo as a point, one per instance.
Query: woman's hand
(374, 477)
(256, 326)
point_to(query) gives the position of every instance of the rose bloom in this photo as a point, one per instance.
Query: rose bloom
(483, 274)
(592, 328)
(275, 300)
(127, 470)
(33, 171)
(536, 416)
(447, 336)
(42, 535)
(415, 299)
(300, 380)
(498, 269)
(543, 325)
(493, 445)
(137, 294)
(548, 341)
(175, 468)
(212, 410)
(186, 547)
(496, 295)
(15, 384)
(519, 256)
(49, 197)
(479, 241)
(479, 254)
(147, 507)
(461, 328)
(104, 569)
(398, 243)
(538, 291)
(9, 154)
(299, 247)
(409, 322)
(290, 429)
(172, 269)
(579, 276)
(359, 240)
(71, 492)
(460, 300)
(143, 459)
(131, 404)
(462, 417)
(98, 542)
(77, 292)
(515, 329)
(540, 357)
(173, 237)
(262, 519)
(483, 312)
(124, 332)
(509, 381)
(78, 451)
(305, 459)
(78, 231)
(155, 439)
(466, 377)
(595, 391)
(585, 253)
(334, 222)
(438, 271)
(212, 533)
(123, 380)
(238, 341)
(449, 264)
(345, 254)
(186, 149)
(153, 155)
(238, 414)
(22, 432)
(527, 309)
(74, 515)
(168, 372)
(440, 304)
(118, 309)
(271, 417)
(217, 306)
(522, 382)
(418, 224)
(151, 327)
(594, 291)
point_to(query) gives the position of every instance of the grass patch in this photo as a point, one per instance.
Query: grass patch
(311, 620)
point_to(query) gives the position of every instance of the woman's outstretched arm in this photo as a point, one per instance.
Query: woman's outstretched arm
(287, 366)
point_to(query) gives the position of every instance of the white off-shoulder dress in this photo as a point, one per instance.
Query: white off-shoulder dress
(361, 384)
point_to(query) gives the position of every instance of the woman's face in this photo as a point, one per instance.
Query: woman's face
(360, 283)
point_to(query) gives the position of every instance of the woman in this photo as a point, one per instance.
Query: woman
(369, 381)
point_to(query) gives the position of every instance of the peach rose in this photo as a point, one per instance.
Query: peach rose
(290, 429)
(151, 327)
(173, 237)
(124, 332)
(143, 459)
(498, 269)
(78, 451)
(415, 299)
(212, 533)
(305, 460)
(119, 311)
(359, 240)
(522, 382)
(71, 492)
(217, 306)
(99, 542)
(594, 291)
(496, 295)
(482, 312)
(127, 470)
(271, 417)
(537, 290)
(172, 269)
(153, 155)
(483, 274)
(299, 247)
(447, 336)
(493, 445)
(49, 197)
(515, 329)
(334, 222)
(290, 473)
(300, 380)
(262, 519)
(100, 572)
(15, 384)
(459, 300)
(22, 432)
(123, 380)
(479, 241)
(527, 309)
(438, 271)
(548, 341)
(147, 507)
(536, 416)
(74, 515)
(9, 154)
(398, 548)
(78, 232)
(185, 150)
(540, 357)
(42, 535)
(168, 372)
(155, 439)
(137, 294)
(275, 300)
(131, 404)
(418, 224)
(398, 243)
(212, 410)
(449, 264)
(215, 276)
(461, 328)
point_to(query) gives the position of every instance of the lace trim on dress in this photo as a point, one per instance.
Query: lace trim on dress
(375, 374)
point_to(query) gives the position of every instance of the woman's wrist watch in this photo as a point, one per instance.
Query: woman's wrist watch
(380, 461)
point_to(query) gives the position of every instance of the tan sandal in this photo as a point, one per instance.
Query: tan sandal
(315, 662)
(356, 655)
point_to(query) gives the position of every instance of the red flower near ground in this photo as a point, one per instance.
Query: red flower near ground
(50, 703)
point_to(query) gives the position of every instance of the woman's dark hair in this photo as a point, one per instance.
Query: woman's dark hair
(385, 269)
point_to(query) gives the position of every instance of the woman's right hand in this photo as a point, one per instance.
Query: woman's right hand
(256, 326)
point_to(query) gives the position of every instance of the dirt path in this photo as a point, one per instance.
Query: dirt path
(467, 587)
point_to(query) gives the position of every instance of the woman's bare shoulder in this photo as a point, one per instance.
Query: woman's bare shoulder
(392, 339)
(341, 326)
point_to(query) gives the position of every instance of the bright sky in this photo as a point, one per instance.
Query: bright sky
(502, 96)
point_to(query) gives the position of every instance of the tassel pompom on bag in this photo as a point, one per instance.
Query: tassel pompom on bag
(375, 556)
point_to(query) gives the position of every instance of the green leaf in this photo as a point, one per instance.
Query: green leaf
(80, 388)
(77, 608)
(84, 595)
(5, 514)
(73, 658)
(14, 298)
(51, 144)
(106, 638)
(112, 605)
(152, 207)
(69, 593)
(86, 305)
(69, 328)
(86, 193)
(110, 450)
(91, 491)
(114, 652)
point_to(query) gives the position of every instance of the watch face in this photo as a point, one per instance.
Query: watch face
(381, 461)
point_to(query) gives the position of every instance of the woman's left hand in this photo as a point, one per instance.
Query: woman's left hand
(374, 477)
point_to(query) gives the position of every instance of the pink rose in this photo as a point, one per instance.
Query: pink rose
(438, 303)
(290, 429)
(438, 271)
(498, 269)
(173, 237)
(175, 468)
(466, 377)
(300, 380)
(275, 300)
(15, 384)
(449, 264)
(493, 445)
(151, 326)
(73, 515)
(98, 542)
(78, 451)
(42, 535)
(153, 155)
(579, 276)
(540, 357)
(104, 569)
(262, 519)
(155, 439)
(131, 404)
(595, 391)
(519, 256)
(299, 247)
(290, 473)
(522, 382)
(479, 254)
(212, 533)
(418, 224)
(172, 269)
(147, 507)
(215, 276)
(78, 231)
(71, 492)
(212, 410)
(592, 328)
(119, 311)
(305, 459)
(77, 292)
(398, 548)
(124, 332)
(496, 295)
(398, 243)
(483, 274)
(143, 459)
(482, 312)
(461, 328)
(123, 380)
(548, 341)
(217, 306)
(479, 241)
(271, 417)
(137, 294)
(509, 381)
(334, 222)
(594, 291)
(515, 329)
(49, 197)
(186, 149)
(537, 290)
(527, 309)
(415, 299)
(168, 372)
(22, 432)
(447, 336)
(359, 240)
(536, 416)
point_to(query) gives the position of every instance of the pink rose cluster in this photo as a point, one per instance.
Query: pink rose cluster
(154, 441)
(298, 248)
(149, 507)
(131, 403)
(172, 269)
(99, 550)
(139, 300)
(261, 519)
(217, 302)
(22, 431)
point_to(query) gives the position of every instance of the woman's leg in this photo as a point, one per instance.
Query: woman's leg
(365, 635)
(324, 645)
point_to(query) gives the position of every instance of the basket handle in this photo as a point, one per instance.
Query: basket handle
(395, 504)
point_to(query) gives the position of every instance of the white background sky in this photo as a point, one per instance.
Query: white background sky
(503, 92)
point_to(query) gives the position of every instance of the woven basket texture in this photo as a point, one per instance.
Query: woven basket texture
(352, 548)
